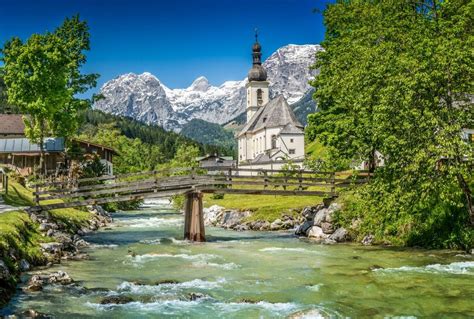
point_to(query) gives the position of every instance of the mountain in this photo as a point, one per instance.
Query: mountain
(146, 99)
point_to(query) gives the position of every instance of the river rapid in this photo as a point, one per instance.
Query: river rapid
(249, 275)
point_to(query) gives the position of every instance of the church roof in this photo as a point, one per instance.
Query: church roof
(275, 113)
(290, 128)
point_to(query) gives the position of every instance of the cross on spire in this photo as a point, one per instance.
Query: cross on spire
(256, 34)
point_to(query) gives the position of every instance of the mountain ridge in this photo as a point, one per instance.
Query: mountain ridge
(145, 98)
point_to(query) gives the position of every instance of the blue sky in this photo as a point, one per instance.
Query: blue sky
(176, 40)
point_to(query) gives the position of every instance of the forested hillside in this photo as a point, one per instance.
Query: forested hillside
(148, 134)
(209, 134)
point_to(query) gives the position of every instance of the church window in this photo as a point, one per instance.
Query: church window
(274, 141)
(259, 97)
(291, 151)
(291, 140)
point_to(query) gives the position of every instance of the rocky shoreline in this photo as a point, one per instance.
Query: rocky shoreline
(314, 222)
(66, 244)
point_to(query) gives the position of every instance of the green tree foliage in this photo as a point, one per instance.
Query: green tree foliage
(168, 142)
(133, 154)
(42, 76)
(210, 134)
(396, 77)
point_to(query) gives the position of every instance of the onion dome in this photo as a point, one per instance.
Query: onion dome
(257, 72)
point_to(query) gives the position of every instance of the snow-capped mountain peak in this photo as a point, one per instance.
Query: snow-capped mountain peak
(201, 84)
(145, 98)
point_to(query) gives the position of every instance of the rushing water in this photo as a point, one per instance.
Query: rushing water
(249, 275)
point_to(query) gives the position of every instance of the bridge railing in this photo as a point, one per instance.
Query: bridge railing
(167, 182)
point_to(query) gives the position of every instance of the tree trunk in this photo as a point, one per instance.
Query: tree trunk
(42, 169)
(468, 194)
(372, 161)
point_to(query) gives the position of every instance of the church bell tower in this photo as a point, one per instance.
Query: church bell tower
(257, 86)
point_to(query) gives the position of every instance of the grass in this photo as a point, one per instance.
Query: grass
(316, 150)
(18, 230)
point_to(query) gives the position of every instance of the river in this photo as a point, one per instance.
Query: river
(250, 275)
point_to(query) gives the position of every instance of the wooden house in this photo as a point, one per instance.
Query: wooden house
(17, 152)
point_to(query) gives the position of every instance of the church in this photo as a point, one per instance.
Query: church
(272, 134)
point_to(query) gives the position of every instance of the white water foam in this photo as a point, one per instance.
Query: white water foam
(152, 222)
(158, 241)
(103, 246)
(285, 249)
(157, 202)
(314, 288)
(175, 307)
(226, 266)
(457, 268)
(193, 284)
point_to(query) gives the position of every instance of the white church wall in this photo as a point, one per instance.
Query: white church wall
(293, 145)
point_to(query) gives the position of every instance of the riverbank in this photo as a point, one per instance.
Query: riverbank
(40, 240)
(315, 222)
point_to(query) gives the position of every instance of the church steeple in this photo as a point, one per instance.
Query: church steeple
(257, 72)
(257, 87)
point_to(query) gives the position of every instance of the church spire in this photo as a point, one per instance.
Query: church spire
(257, 72)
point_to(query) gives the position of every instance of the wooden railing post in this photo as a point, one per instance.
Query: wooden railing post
(6, 184)
(37, 198)
(333, 184)
(230, 177)
(300, 180)
(265, 179)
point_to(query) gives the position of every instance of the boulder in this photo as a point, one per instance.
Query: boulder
(30, 313)
(327, 228)
(242, 227)
(193, 296)
(320, 217)
(212, 214)
(60, 277)
(81, 243)
(4, 272)
(340, 235)
(368, 240)
(276, 225)
(34, 284)
(288, 224)
(24, 265)
(52, 248)
(334, 207)
(44, 227)
(117, 300)
(265, 226)
(316, 232)
(302, 229)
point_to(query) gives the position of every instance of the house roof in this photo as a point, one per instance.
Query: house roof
(207, 157)
(23, 145)
(275, 113)
(291, 129)
(87, 143)
(11, 124)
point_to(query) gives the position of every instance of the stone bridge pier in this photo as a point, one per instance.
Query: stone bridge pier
(193, 218)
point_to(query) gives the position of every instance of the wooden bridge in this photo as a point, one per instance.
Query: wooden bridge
(191, 182)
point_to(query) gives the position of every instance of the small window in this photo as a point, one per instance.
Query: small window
(259, 97)
(274, 141)
(291, 140)
(291, 151)
(264, 119)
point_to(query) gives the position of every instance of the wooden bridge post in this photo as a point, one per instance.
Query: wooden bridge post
(193, 218)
